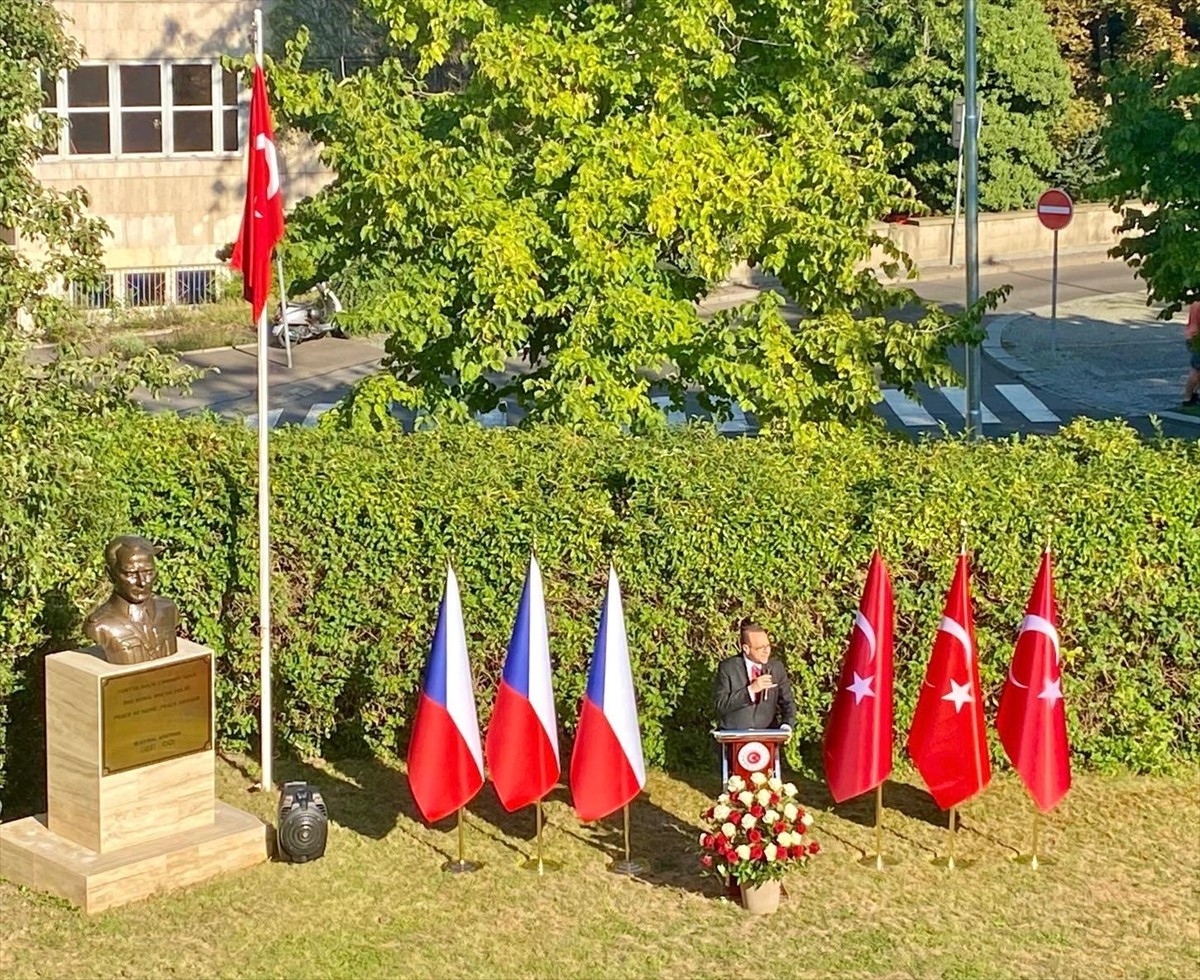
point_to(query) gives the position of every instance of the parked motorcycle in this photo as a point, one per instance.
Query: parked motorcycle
(307, 321)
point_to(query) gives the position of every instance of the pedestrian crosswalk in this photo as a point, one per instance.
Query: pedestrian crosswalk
(1011, 407)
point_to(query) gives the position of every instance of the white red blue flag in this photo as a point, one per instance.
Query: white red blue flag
(445, 761)
(522, 737)
(607, 768)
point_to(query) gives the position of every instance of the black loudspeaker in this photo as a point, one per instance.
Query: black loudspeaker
(303, 823)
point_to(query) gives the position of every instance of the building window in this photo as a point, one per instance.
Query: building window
(145, 289)
(195, 286)
(93, 297)
(145, 108)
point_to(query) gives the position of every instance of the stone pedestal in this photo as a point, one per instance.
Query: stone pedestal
(131, 804)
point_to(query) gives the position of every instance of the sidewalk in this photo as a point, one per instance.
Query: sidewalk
(1111, 354)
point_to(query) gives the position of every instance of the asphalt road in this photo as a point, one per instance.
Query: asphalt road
(326, 369)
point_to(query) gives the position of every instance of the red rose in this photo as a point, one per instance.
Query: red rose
(756, 852)
(775, 799)
(708, 814)
(709, 842)
(735, 817)
(757, 811)
(780, 827)
(755, 836)
(706, 860)
(814, 848)
(798, 850)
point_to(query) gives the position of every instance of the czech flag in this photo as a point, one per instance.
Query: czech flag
(607, 769)
(445, 763)
(522, 737)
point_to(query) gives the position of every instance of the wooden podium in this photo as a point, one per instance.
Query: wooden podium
(131, 797)
(750, 750)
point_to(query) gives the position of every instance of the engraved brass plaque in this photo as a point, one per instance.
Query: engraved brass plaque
(156, 714)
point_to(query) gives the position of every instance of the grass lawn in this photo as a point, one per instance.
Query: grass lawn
(1122, 900)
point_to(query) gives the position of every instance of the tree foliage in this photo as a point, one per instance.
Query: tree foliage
(555, 185)
(916, 58)
(58, 241)
(1152, 140)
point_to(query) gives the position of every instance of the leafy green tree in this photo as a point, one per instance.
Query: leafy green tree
(51, 238)
(555, 185)
(1152, 140)
(915, 57)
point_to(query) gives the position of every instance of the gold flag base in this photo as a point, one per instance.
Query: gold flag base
(461, 867)
(1034, 861)
(877, 861)
(540, 866)
(951, 863)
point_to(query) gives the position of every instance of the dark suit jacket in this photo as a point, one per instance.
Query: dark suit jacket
(735, 709)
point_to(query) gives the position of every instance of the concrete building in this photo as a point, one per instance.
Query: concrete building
(155, 130)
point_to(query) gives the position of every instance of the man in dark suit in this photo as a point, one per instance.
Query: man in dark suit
(752, 689)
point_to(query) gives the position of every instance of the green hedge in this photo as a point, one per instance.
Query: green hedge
(702, 530)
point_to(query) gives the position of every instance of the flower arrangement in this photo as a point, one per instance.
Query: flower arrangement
(755, 831)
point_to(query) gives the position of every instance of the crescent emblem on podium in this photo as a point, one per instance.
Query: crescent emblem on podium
(753, 756)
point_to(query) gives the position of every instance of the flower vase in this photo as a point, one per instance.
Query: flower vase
(761, 899)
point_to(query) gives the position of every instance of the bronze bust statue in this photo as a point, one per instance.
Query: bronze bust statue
(133, 625)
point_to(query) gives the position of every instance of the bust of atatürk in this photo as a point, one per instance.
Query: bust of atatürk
(133, 625)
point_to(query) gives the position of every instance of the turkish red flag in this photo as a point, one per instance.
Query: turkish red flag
(262, 218)
(947, 739)
(858, 734)
(1032, 720)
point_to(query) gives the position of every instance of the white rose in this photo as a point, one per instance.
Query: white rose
(736, 784)
(774, 784)
(745, 798)
(791, 811)
(728, 829)
(789, 789)
(720, 812)
(702, 836)
(764, 797)
(770, 851)
(723, 798)
(758, 778)
(771, 817)
(722, 870)
(749, 820)
(743, 852)
(785, 839)
(806, 820)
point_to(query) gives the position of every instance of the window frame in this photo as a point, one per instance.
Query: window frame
(116, 111)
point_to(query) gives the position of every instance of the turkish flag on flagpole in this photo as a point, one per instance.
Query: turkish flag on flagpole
(858, 734)
(1032, 720)
(947, 740)
(262, 216)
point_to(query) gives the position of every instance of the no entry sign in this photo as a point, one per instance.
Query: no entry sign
(1054, 209)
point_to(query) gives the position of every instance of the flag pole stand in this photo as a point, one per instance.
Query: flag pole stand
(627, 866)
(949, 861)
(462, 865)
(539, 864)
(877, 860)
(1033, 858)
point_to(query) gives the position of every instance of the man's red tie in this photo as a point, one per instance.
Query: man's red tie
(755, 674)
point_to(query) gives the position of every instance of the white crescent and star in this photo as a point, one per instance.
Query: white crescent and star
(1052, 691)
(861, 688)
(1033, 623)
(960, 694)
(267, 148)
(868, 631)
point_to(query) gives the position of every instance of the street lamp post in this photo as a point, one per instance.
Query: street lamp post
(974, 418)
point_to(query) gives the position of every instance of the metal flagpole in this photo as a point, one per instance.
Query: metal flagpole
(265, 723)
(287, 334)
(974, 420)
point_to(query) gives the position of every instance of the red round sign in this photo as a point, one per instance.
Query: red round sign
(1054, 209)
